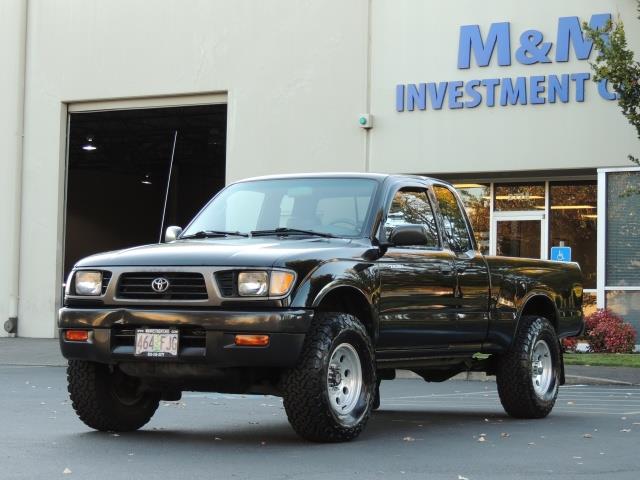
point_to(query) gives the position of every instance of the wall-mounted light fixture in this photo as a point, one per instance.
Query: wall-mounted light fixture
(89, 146)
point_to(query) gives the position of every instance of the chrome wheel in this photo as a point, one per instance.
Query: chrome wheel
(344, 379)
(541, 368)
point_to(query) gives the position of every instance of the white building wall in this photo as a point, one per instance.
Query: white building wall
(12, 50)
(295, 73)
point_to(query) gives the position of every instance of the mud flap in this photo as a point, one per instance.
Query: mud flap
(562, 378)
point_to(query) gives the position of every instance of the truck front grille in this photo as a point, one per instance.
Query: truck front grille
(106, 278)
(226, 282)
(182, 286)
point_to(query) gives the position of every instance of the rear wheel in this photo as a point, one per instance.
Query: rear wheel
(108, 400)
(528, 375)
(329, 395)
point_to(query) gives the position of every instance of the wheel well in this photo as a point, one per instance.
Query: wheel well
(351, 301)
(543, 306)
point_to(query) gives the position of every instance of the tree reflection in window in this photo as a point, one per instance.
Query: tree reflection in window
(476, 200)
(412, 207)
(455, 226)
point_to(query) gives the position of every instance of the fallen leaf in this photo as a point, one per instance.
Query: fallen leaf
(587, 435)
(531, 443)
(626, 430)
(482, 439)
(409, 439)
(460, 477)
(505, 435)
(570, 403)
(217, 439)
(66, 471)
(115, 434)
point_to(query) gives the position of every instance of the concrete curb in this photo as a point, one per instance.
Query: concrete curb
(483, 377)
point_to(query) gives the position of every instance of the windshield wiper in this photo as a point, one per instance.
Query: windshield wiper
(291, 231)
(213, 234)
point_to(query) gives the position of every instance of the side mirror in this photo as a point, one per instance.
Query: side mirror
(172, 234)
(408, 235)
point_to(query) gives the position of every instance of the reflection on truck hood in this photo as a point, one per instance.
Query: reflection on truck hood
(240, 252)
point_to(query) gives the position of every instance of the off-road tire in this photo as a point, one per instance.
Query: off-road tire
(94, 394)
(514, 372)
(304, 388)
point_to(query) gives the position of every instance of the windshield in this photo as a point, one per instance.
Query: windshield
(333, 206)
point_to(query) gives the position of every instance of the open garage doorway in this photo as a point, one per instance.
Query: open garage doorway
(124, 165)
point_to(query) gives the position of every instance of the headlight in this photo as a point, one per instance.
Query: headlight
(253, 284)
(88, 283)
(263, 284)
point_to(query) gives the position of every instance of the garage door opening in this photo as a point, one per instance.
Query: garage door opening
(124, 165)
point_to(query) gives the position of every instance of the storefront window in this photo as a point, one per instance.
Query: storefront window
(623, 229)
(573, 223)
(626, 304)
(476, 199)
(589, 303)
(519, 196)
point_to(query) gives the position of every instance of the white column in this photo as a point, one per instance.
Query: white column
(13, 31)
(602, 237)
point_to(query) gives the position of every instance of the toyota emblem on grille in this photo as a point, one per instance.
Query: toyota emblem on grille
(160, 285)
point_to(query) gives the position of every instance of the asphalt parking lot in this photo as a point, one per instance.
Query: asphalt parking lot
(454, 430)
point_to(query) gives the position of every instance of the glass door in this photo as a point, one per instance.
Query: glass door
(519, 235)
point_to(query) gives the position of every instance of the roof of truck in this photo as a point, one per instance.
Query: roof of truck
(373, 176)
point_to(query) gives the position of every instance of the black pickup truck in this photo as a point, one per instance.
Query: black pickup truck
(315, 288)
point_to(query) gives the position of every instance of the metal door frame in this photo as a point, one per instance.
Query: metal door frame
(505, 216)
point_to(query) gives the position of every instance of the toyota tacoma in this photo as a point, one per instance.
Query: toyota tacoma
(315, 288)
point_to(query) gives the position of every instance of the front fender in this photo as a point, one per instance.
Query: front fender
(361, 276)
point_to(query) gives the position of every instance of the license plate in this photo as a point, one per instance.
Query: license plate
(157, 342)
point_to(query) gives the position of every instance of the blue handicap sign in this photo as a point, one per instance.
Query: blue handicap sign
(561, 254)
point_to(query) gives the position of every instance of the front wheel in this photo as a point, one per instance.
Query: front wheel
(329, 395)
(108, 400)
(528, 375)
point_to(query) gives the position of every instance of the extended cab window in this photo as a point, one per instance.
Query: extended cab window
(412, 207)
(455, 226)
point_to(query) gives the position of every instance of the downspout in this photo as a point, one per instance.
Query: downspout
(369, 38)
(11, 325)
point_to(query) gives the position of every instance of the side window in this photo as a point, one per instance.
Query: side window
(412, 207)
(455, 226)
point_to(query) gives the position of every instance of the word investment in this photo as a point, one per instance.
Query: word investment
(533, 90)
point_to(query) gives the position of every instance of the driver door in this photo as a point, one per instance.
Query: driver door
(417, 281)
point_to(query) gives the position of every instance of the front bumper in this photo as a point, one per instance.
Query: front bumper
(208, 335)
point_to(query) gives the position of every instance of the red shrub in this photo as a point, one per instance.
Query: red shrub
(569, 344)
(608, 333)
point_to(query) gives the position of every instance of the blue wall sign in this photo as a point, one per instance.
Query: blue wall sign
(561, 254)
(531, 90)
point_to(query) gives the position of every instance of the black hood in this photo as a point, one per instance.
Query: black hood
(241, 252)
